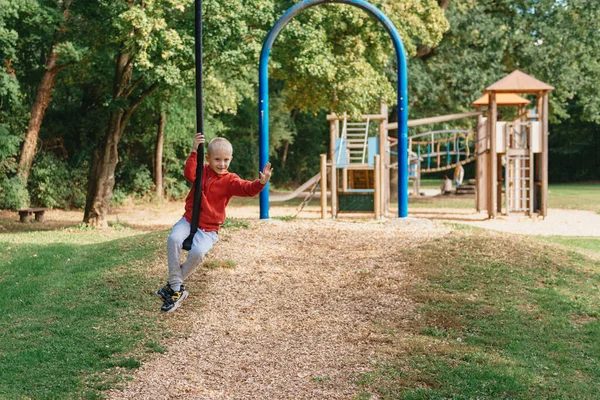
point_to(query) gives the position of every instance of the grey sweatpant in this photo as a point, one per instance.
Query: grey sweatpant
(203, 242)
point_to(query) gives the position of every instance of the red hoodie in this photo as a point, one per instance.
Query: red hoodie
(217, 190)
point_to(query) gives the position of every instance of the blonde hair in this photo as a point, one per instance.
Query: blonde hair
(220, 143)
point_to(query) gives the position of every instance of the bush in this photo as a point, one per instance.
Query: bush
(134, 180)
(175, 188)
(142, 183)
(13, 194)
(119, 197)
(51, 183)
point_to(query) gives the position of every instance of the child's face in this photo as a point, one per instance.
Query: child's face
(219, 160)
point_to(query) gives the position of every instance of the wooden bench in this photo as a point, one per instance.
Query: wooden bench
(26, 214)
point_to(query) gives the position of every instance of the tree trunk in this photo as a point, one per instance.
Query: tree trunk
(101, 179)
(444, 4)
(160, 136)
(286, 147)
(42, 100)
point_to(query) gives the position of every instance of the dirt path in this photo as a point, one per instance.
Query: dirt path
(299, 317)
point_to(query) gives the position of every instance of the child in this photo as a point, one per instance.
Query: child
(218, 187)
(459, 174)
(446, 187)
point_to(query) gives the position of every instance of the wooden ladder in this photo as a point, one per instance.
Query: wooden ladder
(355, 135)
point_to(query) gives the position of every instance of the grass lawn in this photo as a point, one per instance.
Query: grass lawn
(578, 196)
(575, 196)
(76, 308)
(498, 318)
(585, 245)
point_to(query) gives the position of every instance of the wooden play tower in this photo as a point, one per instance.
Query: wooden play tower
(512, 166)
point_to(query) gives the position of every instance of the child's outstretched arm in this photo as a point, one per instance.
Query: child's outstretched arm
(265, 174)
(243, 188)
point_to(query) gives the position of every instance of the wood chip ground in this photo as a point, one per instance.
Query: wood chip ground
(300, 316)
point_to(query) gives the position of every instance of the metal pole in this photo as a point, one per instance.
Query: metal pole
(187, 243)
(402, 92)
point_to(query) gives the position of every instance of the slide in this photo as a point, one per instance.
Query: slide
(295, 193)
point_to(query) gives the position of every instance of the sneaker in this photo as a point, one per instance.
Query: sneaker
(165, 291)
(174, 300)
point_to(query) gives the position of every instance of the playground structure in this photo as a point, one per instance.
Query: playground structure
(511, 156)
(358, 168)
(522, 143)
(520, 146)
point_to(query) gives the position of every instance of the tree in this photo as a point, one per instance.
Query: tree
(51, 22)
(153, 45)
(338, 58)
(12, 190)
(158, 165)
(551, 40)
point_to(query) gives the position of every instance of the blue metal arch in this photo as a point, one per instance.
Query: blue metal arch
(402, 92)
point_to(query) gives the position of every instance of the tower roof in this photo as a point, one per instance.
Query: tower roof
(519, 82)
(502, 99)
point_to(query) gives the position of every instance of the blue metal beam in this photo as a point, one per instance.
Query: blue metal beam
(402, 92)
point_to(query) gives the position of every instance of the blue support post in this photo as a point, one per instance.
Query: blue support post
(428, 155)
(263, 92)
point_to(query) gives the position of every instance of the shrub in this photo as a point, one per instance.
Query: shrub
(142, 182)
(175, 188)
(119, 197)
(13, 194)
(50, 182)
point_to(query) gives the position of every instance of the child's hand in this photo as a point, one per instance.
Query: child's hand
(265, 175)
(198, 140)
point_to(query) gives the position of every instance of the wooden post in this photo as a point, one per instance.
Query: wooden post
(332, 138)
(334, 189)
(544, 166)
(377, 195)
(537, 160)
(333, 135)
(323, 186)
(529, 168)
(481, 162)
(493, 157)
(385, 158)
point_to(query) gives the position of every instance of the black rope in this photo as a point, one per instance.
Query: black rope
(187, 243)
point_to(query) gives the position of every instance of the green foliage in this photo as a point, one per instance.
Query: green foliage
(337, 57)
(334, 57)
(9, 146)
(574, 147)
(488, 39)
(233, 224)
(310, 140)
(52, 185)
(13, 194)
